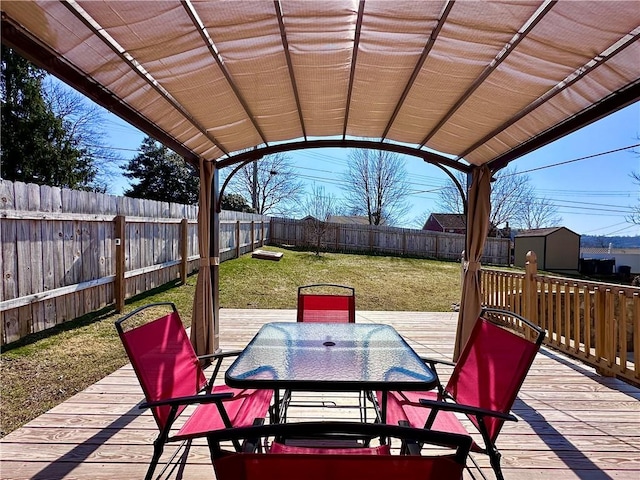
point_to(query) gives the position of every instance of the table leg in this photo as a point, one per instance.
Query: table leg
(383, 414)
(383, 410)
(276, 406)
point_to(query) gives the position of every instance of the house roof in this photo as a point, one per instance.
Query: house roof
(348, 219)
(450, 220)
(232, 81)
(542, 232)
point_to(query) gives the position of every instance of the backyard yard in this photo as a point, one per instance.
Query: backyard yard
(45, 369)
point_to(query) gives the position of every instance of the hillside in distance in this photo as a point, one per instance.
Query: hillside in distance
(615, 241)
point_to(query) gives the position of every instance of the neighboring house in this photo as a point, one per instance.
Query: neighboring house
(446, 222)
(456, 223)
(557, 249)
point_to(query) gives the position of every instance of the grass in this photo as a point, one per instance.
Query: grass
(43, 370)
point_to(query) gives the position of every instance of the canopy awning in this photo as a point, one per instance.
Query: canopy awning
(476, 82)
(471, 85)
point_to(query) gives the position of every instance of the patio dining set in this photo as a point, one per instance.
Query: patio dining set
(435, 424)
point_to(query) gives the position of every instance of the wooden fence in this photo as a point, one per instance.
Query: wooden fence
(598, 323)
(382, 240)
(67, 253)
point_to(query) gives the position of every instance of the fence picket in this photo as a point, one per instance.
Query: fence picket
(382, 240)
(593, 321)
(71, 252)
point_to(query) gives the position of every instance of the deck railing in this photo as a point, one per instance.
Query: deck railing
(598, 323)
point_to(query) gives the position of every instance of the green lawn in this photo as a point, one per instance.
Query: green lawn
(44, 370)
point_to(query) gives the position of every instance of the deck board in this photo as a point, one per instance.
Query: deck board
(573, 423)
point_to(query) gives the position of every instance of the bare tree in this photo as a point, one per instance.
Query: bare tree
(513, 200)
(377, 186)
(634, 216)
(539, 213)
(272, 185)
(85, 120)
(318, 206)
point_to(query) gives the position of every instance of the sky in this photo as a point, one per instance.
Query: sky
(586, 174)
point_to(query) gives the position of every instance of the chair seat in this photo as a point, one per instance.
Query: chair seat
(406, 406)
(277, 447)
(245, 406)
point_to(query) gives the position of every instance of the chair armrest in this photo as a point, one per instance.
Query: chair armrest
(189, 400)
(433, 361)
(467, 409)
(230, 353)
(219, 356)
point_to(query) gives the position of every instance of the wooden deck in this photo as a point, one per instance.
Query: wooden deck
(573, 424)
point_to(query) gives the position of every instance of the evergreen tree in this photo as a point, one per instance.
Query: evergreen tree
(35, 146)
(235, 202)
(161, 175)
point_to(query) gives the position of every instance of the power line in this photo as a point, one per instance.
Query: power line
(574, 160)
(621, 230)
(610, 226)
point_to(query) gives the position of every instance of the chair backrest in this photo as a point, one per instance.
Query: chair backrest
(315, 306)
(162, 357)
(336, 467)
(341, 464)
(492, 367)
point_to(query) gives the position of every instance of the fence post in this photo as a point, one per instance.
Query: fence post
(531, 288)
(371, 233)
(253, 235)
(238, 239)
(262, 232)
(119, 286)
(184, 250)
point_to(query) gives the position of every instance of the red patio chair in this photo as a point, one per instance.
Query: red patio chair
(484, 383)
(374, 463)
(328, 303)
(172, 378)
(315, 306)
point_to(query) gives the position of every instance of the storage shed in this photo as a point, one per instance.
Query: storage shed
(557, 248)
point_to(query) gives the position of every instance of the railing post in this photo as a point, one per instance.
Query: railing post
(610, 330)
(599, 311)
(531, 288)
(119, 285)
(184, 249)
(636, 335)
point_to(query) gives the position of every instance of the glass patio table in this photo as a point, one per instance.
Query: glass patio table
(329, 357)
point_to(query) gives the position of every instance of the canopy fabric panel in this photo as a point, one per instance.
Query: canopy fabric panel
(472, 81)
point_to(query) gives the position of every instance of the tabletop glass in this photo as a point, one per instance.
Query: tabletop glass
(331, 357)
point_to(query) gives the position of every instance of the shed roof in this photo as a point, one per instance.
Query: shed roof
(542, 232)
(457, 83)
